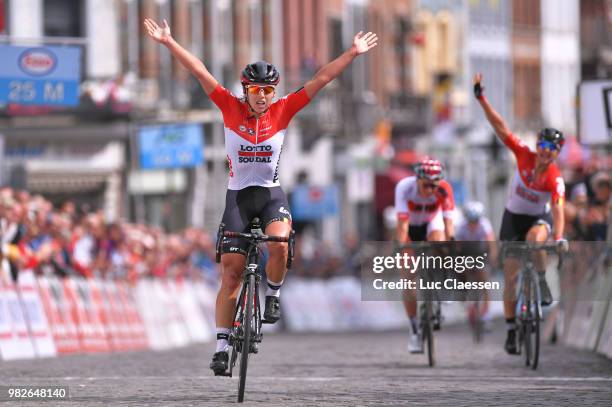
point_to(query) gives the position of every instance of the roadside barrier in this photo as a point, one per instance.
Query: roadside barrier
(47, 316)
(589, 312)
(44, 316)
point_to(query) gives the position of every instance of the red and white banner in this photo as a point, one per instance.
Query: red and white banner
(15, 341)
(46, 316)
(62, 327)
(35, 315)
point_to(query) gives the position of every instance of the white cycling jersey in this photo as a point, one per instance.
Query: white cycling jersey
(418, 209)
(474, 233)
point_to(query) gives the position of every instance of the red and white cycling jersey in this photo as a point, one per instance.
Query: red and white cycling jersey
(253, 145)
(528, 195)
(409, 204)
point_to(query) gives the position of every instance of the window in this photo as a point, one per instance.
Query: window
(527, 92)
(526, 13)
(63, 18)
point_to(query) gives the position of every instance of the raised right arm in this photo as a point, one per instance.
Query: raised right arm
(194, 65)
(498, 123)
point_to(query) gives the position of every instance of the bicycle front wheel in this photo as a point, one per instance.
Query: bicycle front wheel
(475, 321)
(531, 324)
(428, 333)
(247, 327)
(536, 327)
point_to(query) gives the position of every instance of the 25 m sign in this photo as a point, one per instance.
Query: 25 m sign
(40, 75)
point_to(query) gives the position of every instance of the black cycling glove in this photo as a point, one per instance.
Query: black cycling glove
(478, 90)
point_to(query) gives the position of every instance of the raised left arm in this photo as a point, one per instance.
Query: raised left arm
(361, 44)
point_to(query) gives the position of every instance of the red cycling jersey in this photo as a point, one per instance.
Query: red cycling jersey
(253, 144)
(530, 195)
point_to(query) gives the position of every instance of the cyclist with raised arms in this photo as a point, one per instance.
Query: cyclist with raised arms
(537, 191)
(255, 127)
(424, 205)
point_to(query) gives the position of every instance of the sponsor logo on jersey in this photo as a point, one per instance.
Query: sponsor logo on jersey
(413, 206)
(526, 194)
(283, 210)
(255, 154)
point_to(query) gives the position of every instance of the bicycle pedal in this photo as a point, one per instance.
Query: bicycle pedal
(223, 374)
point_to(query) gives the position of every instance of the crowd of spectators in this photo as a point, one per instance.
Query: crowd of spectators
(587, 211)
(67, 241)
(70, 241)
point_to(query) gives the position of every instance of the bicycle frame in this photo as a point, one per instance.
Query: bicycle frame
(526, 276)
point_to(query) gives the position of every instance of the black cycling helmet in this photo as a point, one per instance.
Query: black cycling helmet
(552, 135)
(260, 73)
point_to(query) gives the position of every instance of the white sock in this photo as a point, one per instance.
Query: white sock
(414, 324)
(222, 337)
(273, 289)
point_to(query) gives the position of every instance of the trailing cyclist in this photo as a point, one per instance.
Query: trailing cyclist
(424, 205)
(537, 191)
(255, 127)
(477, 237)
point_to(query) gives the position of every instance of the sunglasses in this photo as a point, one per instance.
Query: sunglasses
(254, 90)
(547, 145)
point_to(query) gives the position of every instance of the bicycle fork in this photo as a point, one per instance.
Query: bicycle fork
(526, 305)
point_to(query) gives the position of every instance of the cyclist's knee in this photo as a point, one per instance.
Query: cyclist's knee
(511, 265)
(278, 250)
(538, 233)
(435, 236)
(232, 265)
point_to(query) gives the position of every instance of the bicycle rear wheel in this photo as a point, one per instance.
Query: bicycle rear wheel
(247, 327)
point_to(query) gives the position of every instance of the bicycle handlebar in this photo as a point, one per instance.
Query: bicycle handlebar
(257, 237)
(421, 244)
(525, 246)
(522, 247)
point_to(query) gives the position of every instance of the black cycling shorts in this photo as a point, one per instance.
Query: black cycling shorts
(515, 226)
(241, 206)
(418, 233)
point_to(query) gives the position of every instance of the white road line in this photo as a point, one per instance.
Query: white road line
(323, 379)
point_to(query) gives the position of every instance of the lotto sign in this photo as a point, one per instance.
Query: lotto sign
(40, 75)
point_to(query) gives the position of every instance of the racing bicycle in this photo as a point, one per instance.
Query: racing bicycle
(529, 299)
(245, 335)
